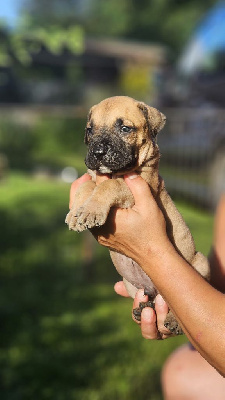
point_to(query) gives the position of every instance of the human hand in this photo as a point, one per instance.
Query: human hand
(138, 232)
(152, 321)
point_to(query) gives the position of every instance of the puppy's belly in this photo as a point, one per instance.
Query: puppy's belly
(133, 273)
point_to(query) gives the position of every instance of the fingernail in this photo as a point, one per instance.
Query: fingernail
(140, 295)
(160, 300)
(148, 314)
(132, 176)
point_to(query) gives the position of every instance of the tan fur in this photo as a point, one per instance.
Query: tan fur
(92, 203)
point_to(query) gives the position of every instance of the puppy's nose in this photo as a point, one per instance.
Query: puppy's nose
(100, 149)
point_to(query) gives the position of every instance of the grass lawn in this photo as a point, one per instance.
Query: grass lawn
(65, 334)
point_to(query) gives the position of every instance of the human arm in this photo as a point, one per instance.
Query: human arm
(217, 255)
(152, 324)
(196, 304)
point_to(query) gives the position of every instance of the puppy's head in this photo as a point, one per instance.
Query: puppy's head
(120, 134)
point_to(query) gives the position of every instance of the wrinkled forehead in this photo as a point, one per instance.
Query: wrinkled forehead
(109, 110)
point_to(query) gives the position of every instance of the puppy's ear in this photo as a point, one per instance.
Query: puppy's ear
(88, 124)
(154, 118)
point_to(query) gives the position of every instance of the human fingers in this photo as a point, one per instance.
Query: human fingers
(120, 289)
(75, 185)
(140, 297)
(161, 309)
(148, 317)
(152, 321)
(140, 190)
(148, 324)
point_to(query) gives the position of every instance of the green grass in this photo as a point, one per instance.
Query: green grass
(65, 333)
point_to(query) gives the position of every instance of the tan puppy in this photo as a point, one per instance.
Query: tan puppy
(121, 137)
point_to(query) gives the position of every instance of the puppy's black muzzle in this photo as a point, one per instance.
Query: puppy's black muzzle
(109, 153)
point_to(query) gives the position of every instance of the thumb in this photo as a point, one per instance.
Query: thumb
(140, 190)
(120, 289)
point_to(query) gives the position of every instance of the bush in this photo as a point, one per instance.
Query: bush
(17, 142)
(60, 142)
(48, 142)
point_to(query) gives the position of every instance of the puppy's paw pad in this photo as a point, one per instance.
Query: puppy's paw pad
(137, 311)
(173, 326)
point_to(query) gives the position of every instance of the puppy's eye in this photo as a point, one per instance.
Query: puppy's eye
(126, 129)
(89, 130)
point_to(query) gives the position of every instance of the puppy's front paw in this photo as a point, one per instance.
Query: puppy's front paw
(90, 216)
(71, 220)
(172, 325)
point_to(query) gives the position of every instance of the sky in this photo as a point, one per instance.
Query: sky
(9, 11)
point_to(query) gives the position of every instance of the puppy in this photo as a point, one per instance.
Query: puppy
(121, 137)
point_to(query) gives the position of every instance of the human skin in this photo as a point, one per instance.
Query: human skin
(140, 233)
(152, 321)
(151, 324)
(185, 374)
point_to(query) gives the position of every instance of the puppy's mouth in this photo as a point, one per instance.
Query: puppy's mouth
(110, 155)
(105, 170)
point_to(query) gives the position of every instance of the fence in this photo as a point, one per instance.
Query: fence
(192, 147)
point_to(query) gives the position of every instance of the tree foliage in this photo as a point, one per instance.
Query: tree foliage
(168, 22)
(19, 46)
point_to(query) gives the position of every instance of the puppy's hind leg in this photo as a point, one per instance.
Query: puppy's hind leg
(201, 264)
(150, 303)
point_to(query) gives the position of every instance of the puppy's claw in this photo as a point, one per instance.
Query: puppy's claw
(72, 224)
(68, 218)
(80, 228)
(70, 221)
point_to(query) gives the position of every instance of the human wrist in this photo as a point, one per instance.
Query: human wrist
(153, 259)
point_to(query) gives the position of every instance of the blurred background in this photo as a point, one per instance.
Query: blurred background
(64, 333)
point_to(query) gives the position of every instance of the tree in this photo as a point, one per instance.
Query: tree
(169, 22)
(53, 12)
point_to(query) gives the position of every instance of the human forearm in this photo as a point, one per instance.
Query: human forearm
(199, 307)
(217, 255)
